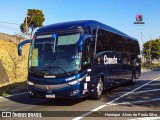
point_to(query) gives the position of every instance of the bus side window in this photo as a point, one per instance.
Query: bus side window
(120, 44)
(112, 38)
(126, 45)
(88, 53)
(102, 44)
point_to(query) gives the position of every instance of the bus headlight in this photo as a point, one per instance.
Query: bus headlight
(76, 81)
(30, 83)
(73, 82)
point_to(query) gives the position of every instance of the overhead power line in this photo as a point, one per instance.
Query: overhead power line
(9, 23)
(9, 29)
(9, 26)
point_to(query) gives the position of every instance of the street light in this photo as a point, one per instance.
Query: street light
(29, 23)
(142, 55)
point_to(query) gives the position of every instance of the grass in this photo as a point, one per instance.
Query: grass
(8, 51)
(9, 57)
(150, 66)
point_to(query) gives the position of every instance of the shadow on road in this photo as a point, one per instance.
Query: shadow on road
(24, 99)
(147, 96)
(13, 88)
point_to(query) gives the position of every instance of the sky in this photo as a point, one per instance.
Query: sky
(119, 14)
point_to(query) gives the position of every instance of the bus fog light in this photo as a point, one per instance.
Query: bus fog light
(30, 83)
(75, 92)
(30, 92)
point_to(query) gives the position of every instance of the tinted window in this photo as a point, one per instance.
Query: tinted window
(112, 41)
(134, 47)
(102, 41)
(68, 39)
(126, 45)
(120, 44)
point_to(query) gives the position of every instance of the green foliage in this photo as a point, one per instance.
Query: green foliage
(35, 18)
(150, 66)
(152, 48)
(22, 27)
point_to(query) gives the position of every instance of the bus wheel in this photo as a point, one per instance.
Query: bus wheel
(133, 78)
(99, 90)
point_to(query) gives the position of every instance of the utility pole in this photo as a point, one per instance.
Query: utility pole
(142, 40)
(142, 47)
(26, 26)
(150, 52)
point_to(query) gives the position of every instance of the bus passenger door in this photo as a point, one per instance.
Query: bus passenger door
(88, 58)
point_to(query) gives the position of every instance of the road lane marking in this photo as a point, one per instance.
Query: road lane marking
(139, 101)
(13, 95)
(155, 84)
(146, 118)
(144, 91)
(112, 102)
(5, 109)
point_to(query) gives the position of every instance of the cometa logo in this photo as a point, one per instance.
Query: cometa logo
(110, 60)
(52, 76)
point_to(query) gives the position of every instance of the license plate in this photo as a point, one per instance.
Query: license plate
(50, 96)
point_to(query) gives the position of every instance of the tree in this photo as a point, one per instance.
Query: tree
(152, 49)
(35, 18)
(23, 27)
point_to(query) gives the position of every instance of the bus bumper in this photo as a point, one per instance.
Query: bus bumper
(70, 92)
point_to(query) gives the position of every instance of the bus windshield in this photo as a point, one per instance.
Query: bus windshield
(55, 55)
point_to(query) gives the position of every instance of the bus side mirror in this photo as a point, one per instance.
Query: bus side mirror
(21, 45)
(80, 48)
(83, 39)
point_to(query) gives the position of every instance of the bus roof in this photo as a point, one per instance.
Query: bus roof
(80, 23)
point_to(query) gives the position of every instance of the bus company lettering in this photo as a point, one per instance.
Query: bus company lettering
(52, 76)
(110, 60)
(43, 36)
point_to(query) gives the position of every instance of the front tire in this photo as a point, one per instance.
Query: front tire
(99, 90)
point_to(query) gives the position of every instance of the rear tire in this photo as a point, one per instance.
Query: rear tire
(132, 82)
(99, 90)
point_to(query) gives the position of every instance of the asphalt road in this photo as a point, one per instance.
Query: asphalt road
(137, 102)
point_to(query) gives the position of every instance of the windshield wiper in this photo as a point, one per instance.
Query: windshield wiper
(50, 66)
(36, 71)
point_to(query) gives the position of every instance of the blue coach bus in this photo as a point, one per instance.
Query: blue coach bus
(80, 58)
